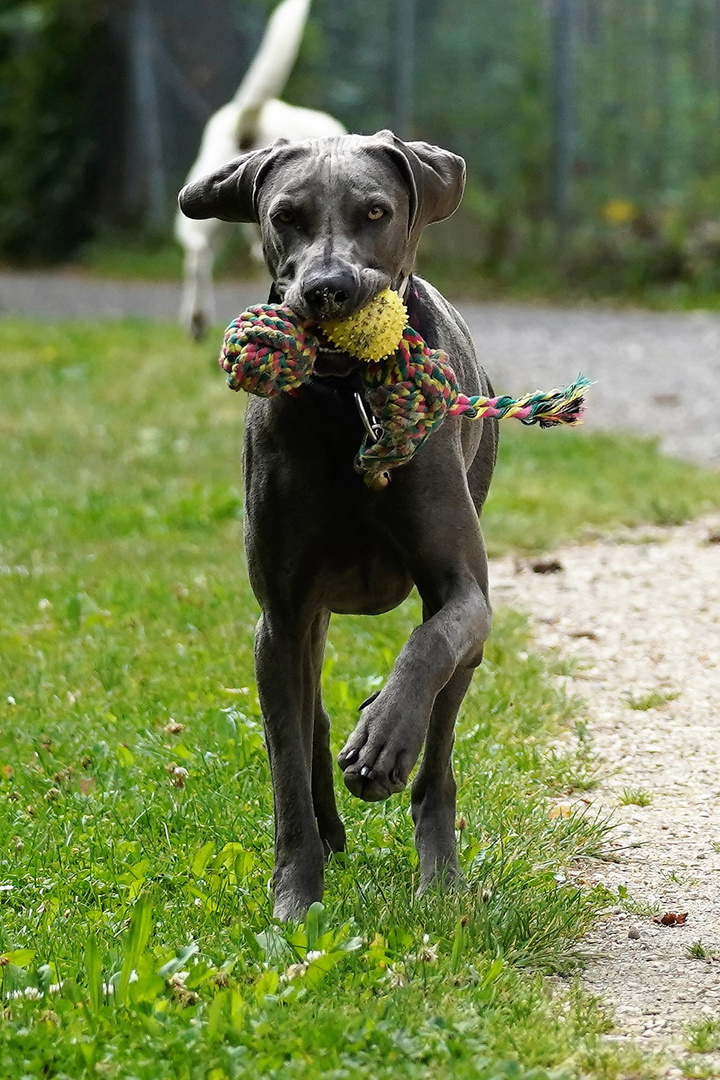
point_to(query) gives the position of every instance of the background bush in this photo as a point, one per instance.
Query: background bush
(644, 123)
(48, 158)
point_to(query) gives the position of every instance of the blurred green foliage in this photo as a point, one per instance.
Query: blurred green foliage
(645, 184)
(46, 155)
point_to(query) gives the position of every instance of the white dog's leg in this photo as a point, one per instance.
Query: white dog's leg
(254, 118)
(202, 246)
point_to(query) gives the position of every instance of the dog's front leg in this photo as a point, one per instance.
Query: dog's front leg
(281, 661)
(382, 750)
(445, 555)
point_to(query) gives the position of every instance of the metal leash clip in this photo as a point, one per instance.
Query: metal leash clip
(370, 422)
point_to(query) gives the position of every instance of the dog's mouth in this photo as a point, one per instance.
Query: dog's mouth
(330, 360)
(326, 345)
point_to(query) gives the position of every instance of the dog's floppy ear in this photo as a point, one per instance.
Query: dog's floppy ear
(230, 193)
(435, 179)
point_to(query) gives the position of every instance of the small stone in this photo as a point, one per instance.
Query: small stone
(547, 565)
(633, 933)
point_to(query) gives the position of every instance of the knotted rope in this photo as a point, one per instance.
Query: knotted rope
(268, 350)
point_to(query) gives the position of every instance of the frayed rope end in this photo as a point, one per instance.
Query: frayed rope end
(559, 406)
(548, 409)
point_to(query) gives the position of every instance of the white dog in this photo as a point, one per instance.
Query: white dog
(253, 119)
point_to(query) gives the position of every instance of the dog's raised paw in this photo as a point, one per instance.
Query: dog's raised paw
(369, 787)
(373, 770)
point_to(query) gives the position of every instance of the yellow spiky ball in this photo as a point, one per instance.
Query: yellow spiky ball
(374, 331)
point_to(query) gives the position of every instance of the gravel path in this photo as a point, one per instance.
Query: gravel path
(640, 616)
(655, 373)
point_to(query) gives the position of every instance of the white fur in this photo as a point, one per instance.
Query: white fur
(254, 118)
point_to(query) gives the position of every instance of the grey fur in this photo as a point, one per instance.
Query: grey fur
(318, 540)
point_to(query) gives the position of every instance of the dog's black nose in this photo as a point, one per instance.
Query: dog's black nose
(330, 294)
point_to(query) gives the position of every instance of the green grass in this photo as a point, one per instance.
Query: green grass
(135, 802)
(554, 486)
(702, 1040)
(703, 1037)
(635, 796)
(138, 258)
(144, 258)
(651, 699)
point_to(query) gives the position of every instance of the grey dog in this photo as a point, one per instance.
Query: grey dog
(341, 219)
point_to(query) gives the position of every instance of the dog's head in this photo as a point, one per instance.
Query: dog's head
(340, 217)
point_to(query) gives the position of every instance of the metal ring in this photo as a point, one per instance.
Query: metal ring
(372, 425)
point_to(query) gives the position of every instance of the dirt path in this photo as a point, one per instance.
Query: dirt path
(640, 616)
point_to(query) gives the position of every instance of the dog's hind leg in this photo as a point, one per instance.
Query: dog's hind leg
(434, 789)
(330, 827)
(283, 663)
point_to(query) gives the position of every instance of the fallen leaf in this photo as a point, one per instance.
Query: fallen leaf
(671, 918)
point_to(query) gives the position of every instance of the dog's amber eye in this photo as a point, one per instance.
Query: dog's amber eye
(375, 213)
(285, 217)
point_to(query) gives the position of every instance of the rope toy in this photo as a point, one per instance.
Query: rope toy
(409, 387)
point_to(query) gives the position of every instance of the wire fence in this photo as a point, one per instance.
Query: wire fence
(573, 115)
(564, 105)
(648, 98)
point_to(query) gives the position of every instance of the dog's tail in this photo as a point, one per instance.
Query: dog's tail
(267, 75)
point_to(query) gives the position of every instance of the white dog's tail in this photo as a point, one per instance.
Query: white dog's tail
(267, 75)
